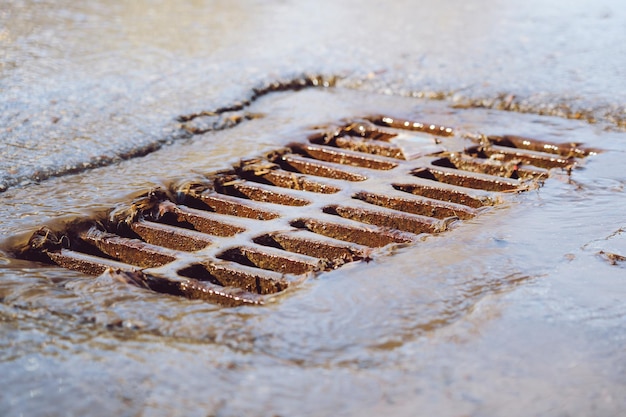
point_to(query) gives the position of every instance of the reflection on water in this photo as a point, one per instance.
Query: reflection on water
(509, 308)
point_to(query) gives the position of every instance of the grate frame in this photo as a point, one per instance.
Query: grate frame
(243, 235)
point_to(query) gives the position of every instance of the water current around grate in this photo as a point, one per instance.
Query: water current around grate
(515, 297)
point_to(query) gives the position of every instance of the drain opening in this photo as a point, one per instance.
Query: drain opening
(344, 157)
(313, 245)
(449, 194)
(371, 237)
(251, 281)
(362, 145)
(420, 206)
(268, 259)
(504, 154)
(197, 220)
(171, 237)
(238, 236)
(412, 223)
(513, 169)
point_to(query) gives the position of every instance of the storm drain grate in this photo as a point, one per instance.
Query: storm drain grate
(239, 235)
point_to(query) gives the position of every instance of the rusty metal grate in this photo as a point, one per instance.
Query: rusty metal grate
(237, 236)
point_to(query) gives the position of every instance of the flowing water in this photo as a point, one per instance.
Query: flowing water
(514, 312)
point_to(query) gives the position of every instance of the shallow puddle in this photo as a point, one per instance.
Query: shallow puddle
(516, 300)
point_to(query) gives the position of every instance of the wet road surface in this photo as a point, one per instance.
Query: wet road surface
(516, 312)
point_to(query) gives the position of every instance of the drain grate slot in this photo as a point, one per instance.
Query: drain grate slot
(199, 220)
(411, 223)
(511, 169)
(131, 251)
(250, 279)
(87, 264)
(264, 194)
(445, 194)
(312, 245)
(290, 180)
(421, 206)
(462, 179)
(343, 157)
(372, 237)
(171, 237)
(237, 236)
(207, 290)
(363, 145)
(232, 275)
(319, 169)
(233, 206)
(271, 260)
(566, 150)
(504, 154)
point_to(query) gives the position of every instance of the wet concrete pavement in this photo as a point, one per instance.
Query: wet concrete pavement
(517, 313)
(82, 84)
